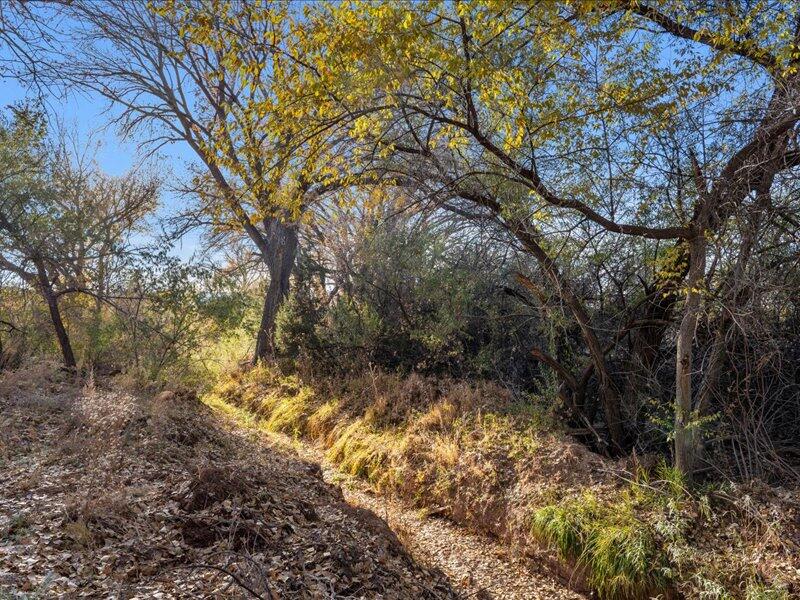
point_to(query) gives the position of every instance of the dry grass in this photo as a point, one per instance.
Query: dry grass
(212, 483)
(472, 452)
(107, 509)
(39, 383)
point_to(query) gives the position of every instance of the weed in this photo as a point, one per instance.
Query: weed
(79, 533)
(445, 451)
(323, 419)
(624, 558)
(761, 591)
(620, 553)
(559, 529)
(674, 482)
(563, 526)
(16, 528)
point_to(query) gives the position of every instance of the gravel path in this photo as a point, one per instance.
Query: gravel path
(478, 566)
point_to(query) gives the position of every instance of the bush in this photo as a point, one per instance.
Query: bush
(414, 296)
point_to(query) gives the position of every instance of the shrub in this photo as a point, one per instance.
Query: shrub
(414, 297)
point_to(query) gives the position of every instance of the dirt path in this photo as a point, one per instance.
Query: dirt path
(104, 494)
(108, 495)
(476, 565)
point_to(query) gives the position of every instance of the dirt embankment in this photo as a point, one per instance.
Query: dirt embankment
(103, 494)
(469, 452)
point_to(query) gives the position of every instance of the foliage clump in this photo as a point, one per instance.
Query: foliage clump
(620, 553)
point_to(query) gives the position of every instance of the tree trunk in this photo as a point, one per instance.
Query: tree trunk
(663, 296)
(283, 242)
(686, 438)
(609, 397)
(55, 317)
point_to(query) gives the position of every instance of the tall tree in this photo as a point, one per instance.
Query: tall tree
(764, 40)
(553, 119)
(208, 76)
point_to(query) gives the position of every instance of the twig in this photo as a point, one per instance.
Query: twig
(236, 579)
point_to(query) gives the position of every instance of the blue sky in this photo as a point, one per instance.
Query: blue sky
(85, 115)
(89, 115)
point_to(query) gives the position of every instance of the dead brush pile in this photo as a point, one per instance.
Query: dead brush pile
(104, 494)
(471, 452)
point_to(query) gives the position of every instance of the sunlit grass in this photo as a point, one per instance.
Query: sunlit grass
(620, 553)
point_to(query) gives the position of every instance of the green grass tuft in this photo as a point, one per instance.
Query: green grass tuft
(624, 558)
(560, 529)
(621, 555)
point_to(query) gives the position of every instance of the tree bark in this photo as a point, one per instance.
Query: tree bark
(663, 296)
(686, 438)
(283, 242)
(55, 316)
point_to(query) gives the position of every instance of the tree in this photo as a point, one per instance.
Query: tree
(444, 92)
(765, 38)
(25, 35)
(62, 222)
(210, 77)
(25, 218)
(553, 119)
